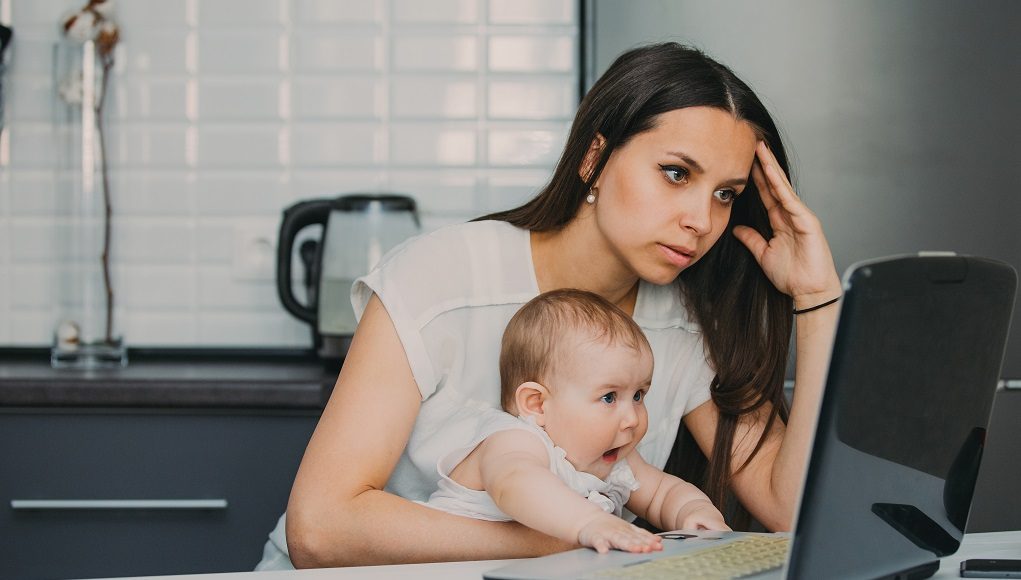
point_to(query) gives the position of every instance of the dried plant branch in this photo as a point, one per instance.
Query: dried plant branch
(107, 61)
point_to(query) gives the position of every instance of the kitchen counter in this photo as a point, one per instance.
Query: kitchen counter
(276, 379)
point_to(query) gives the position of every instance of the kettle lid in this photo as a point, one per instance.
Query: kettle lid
(361, 201)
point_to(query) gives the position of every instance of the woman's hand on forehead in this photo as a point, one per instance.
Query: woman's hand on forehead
(797, 258)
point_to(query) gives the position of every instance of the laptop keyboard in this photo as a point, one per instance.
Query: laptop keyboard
(742, 557)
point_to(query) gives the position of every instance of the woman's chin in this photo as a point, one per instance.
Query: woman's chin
(661, 276)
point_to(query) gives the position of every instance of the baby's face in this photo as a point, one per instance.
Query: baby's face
(596, 411)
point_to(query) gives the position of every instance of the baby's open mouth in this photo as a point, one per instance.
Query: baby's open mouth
(611, 455)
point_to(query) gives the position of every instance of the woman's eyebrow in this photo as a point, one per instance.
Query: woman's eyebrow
(687, 159)
(697, 168)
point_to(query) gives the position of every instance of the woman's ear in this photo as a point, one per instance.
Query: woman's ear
(530, 398)
(588, 164)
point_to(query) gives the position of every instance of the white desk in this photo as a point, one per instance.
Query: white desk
(987, 545)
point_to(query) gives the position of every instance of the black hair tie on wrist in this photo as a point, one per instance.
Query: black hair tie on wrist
(817, 306)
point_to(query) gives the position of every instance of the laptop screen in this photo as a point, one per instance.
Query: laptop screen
(909, 392)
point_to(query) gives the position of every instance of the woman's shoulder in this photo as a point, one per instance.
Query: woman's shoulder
(456, 243)
(470, 264)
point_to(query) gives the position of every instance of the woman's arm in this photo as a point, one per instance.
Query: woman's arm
(668, 502)
(798, 262)
(514, 468)
(338, 513)
(769, 486)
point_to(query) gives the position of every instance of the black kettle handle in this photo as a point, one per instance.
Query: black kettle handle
(296, 218)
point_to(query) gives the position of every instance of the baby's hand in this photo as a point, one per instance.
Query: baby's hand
(606, 532)
(701, 514)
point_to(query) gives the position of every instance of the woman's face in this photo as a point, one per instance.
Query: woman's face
(665, 196)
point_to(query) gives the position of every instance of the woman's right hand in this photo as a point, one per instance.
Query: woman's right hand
(338, 513)
(797, 259)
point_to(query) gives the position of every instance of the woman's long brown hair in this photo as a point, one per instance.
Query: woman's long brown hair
(746, 322)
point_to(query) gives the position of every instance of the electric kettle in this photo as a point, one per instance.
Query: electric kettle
(357, 230)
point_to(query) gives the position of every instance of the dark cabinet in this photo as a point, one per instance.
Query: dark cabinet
(123, 492)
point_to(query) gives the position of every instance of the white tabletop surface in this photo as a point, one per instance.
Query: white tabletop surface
(986, 545)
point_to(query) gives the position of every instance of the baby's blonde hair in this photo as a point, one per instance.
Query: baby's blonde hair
(536, 336)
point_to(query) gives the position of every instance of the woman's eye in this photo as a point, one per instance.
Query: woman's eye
(674, 173)
(608, 398)
(726, 196)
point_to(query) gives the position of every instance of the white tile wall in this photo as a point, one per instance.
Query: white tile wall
(149, 12)
(436, 52)
(241, 193)
(155, 193)
(436, 11)
(521, 144)
(325, 51)
(150, 145)
(232, 52)
(30, 326)
(33, 287)
(532, 11)
(337, 144)
(239, 99)
(532, 53)
(161, 287)
(234, 14)
(152, 51)
(338, 97)
(160, 241)
(527, 98)
(336, 11)
(37, 195)
(432, 144)
(419, 96)
(142, 99)
(214, 239)
(221, 113)
(162, 328)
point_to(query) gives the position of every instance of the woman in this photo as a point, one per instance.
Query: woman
(670, 200)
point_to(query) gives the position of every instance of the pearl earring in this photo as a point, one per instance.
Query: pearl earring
(591, 198)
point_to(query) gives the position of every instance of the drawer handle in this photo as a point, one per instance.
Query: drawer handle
(118, 504)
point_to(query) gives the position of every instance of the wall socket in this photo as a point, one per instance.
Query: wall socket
(255, 250)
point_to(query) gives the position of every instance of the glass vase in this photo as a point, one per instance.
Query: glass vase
(85, 333)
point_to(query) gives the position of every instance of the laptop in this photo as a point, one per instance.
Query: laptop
(898, 442)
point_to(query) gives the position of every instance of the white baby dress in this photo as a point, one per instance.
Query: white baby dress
(610, 494)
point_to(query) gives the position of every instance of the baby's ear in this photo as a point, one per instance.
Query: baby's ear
(529, 399)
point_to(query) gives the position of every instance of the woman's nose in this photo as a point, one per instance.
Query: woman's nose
(696, 213)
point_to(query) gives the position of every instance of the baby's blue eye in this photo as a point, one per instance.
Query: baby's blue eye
(639, 395)
(609, 398)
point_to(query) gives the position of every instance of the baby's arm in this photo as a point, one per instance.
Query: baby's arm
(514, 467)
(668, 502)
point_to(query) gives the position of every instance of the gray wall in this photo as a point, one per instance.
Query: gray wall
(901, 118)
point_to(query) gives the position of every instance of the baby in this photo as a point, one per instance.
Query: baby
(562, 458)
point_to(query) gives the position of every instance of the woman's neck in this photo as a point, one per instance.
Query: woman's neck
(578, 257)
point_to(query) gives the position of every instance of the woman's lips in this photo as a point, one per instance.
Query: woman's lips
(680, 257)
